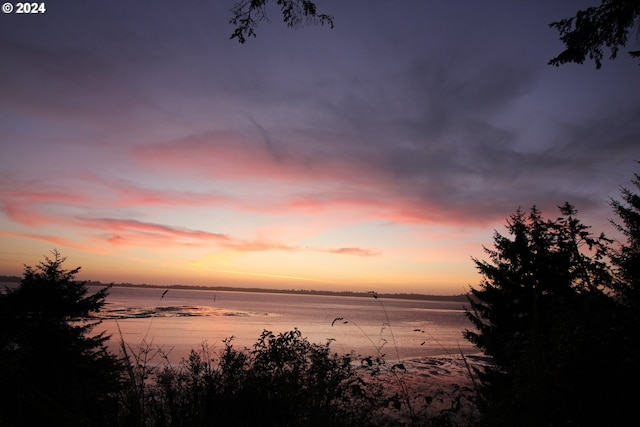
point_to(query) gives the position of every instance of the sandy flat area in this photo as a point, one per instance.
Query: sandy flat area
(433, 385)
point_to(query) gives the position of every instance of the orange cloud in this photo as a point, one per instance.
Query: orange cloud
(56, 240)
(275, 276)
(353, 251)
(137, 233)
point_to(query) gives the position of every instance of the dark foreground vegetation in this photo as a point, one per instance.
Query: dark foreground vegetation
(284, 380)
(557, 312)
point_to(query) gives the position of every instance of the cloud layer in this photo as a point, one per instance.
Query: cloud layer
(145, 136)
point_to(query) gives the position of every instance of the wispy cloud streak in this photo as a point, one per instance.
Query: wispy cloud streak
(139, 233)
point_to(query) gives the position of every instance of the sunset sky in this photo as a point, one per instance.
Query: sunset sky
(147, 147)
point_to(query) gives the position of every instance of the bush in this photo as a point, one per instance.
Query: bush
(284, 381)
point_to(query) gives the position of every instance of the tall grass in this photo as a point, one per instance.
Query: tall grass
(416, 405)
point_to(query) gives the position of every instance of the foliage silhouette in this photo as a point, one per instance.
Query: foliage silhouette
(54, 372)
(545, 312)
(247, 14)
(604, 26)
(587, 35)
(283, 381)
(626, 258)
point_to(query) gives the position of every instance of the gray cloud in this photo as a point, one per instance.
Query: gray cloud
(418, 97)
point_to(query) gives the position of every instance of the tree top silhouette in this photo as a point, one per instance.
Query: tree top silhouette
(248, 13)
(595, 29)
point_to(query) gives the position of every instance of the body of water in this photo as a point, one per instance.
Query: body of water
(179, 320)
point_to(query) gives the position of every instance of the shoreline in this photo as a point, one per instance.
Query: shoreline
(359, 294)
(408, 296)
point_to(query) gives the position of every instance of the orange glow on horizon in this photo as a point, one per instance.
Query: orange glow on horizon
(276, 276)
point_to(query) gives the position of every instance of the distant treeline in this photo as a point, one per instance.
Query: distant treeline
(410, 296)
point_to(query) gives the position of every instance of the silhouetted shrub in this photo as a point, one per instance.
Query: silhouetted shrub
(283, 381)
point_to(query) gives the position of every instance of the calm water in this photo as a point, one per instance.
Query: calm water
(185, 319)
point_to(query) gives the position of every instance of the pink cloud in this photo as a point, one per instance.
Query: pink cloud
(37, 204)
(24, 213)
(29, 206)
(353, 251)
(396, 207)
(128, 193)
(24, 204)
(259, 246)
(137, 233)
(309, 181)
(56, 240)
(227, 156)
(130, 230)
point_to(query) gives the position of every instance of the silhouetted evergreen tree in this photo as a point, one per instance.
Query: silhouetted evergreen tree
(627, 256)
(52, 372)
(545, 314)
(592, 29)
(626, 261)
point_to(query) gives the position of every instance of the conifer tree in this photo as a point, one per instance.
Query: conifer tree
(627, 256)
(53, 370)
(626, 261)
(543, 312)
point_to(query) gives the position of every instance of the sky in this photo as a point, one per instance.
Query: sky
(381, 155)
